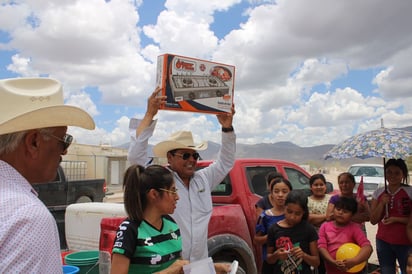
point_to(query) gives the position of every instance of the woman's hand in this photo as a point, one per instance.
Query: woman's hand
(175, 268)
(385, 198)
(392, 220)
(222, 268)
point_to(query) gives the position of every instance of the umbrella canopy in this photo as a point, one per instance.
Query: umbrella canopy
(382, 143)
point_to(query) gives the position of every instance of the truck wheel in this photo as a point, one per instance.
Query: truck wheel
(227, 247)
(84, 199)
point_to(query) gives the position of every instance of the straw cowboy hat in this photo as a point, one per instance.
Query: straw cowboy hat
(178, 140)
(30, 103)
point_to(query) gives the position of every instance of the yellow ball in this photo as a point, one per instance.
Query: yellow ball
(348, 251)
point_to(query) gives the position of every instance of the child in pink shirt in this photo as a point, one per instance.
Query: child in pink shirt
(342, 230)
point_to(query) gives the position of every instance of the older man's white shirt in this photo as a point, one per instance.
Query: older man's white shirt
(29, 239)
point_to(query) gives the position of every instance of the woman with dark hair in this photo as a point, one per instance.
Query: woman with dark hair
(149, 240)
(390, 209)
(346, 182)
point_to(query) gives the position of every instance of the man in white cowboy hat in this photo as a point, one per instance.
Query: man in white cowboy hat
(33, 138)
(194, 207)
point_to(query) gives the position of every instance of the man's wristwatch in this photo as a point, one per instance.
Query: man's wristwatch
(227, 129)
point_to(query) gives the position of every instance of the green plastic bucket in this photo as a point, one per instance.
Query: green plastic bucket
(85, 260)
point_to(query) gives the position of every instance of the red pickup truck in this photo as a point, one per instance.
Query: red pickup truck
(232, 225)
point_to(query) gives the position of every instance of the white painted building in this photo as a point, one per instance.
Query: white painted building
(91, 162)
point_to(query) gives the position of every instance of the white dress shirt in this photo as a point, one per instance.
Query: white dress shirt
(194, 206)
(29, 239)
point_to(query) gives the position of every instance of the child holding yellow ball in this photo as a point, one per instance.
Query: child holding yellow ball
(340, 231)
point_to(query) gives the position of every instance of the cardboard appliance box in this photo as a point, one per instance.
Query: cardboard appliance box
(195, 85)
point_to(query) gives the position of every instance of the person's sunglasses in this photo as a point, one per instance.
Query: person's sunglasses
(187, 155)
(173, 191)
(66, 140)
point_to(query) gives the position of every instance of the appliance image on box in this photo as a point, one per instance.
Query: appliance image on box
(195, 85)
(191, 87)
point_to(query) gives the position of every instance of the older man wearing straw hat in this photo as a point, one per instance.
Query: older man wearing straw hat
(194, 207)
(33, 138)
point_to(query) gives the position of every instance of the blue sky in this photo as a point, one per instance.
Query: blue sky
(308, 72)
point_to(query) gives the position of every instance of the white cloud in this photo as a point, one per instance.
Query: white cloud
(315, 71)
(283, 52)
(183, 34)
(83, 101)
(22, 66)
(85, 43)
(394, 82)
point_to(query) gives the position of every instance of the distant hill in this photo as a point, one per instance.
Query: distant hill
(285, 151)
(281, 150)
